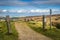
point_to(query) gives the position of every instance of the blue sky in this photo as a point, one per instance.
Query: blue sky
(28, 7)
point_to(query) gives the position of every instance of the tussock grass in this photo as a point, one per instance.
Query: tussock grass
(3, 32)
(54, 33)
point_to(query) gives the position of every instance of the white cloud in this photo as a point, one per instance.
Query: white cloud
(31, 11)
(4, 10)
(19, 11)
(12, 11)
(39, 10)
(47, 2)
(22, 11)
(13, 3)
(22, 3)
(56, 9)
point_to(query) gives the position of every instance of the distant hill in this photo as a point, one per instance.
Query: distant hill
(30, 16)
(2, 17)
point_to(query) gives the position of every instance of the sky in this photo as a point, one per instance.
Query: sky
(23, 8)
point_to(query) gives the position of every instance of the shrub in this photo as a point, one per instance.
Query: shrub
(56, 24)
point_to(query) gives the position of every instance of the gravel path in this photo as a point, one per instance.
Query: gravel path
(26, 33)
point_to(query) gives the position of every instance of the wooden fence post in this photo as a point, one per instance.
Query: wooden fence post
(50, 19)
(8, 24)
(44, 22)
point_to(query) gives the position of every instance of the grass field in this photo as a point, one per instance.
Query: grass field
(3, 32)
(54, 33)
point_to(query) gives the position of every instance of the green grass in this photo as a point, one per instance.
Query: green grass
(3, 32)
(53, 33)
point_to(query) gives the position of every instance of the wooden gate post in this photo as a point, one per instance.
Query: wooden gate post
(50, 19)
(44, 22)
(8, 24)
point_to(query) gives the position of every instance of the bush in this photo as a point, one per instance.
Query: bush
(56, 24)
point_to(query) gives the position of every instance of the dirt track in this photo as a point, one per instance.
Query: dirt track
(25, 33)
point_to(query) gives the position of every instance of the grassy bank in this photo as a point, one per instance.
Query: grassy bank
(3, 32)
(53, 33)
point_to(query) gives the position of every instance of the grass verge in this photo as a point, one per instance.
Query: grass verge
(3, 32)
(53, 33)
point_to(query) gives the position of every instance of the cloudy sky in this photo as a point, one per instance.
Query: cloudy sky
(28, 7)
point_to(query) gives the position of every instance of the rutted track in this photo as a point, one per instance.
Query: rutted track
(25, 33)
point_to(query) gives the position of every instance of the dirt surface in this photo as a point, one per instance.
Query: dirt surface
(26, 33)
